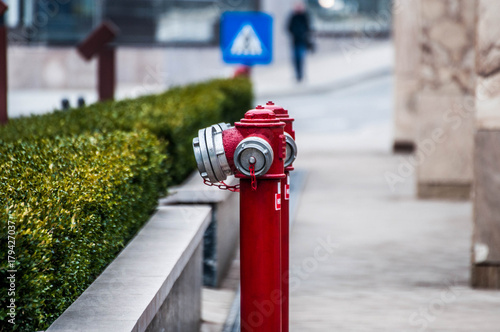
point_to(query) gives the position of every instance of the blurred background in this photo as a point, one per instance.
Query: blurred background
(168, 23)
(397, 125)
(161, 42)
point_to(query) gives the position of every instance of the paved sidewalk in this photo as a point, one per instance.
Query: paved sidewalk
(352, 61)
(365, 257)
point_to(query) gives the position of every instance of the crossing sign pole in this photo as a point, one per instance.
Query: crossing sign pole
(247, 38)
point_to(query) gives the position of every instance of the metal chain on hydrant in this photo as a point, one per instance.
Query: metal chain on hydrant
(253, 177)
(223, 186)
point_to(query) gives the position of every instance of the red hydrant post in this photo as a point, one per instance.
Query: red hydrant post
(260, 219)
(254, 151)
(283, 115)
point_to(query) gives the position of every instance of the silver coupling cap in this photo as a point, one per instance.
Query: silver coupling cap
(210, 155)
(256, 151)
(291, 150)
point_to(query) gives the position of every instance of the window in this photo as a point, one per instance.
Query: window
(141, 22)
(349, 17)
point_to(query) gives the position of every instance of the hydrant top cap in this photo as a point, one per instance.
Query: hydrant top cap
(278, 110)
(260, 114)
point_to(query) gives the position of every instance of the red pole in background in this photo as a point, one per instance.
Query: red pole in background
(3, 65)
(260, 219)
(98, 43)
(106, 71)
(282, 115)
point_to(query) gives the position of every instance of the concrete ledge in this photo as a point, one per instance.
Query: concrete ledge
(485, 276)
(148, 281)
(181, 310)
(221, 237)
(451, 191)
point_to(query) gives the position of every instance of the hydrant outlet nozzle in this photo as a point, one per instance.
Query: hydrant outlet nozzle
(210, 155)
(253, 151)
(291, 150)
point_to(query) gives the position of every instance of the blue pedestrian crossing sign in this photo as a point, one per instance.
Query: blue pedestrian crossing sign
(247, 38)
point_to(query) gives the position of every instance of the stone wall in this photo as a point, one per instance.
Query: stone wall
(445, 103)
(153, 285)
(181, 310)
(220, 241)
(407, 59)
(149, 69)
(486, 240)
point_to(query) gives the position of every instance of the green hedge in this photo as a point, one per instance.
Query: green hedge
(174, 116)
(74, 203)
(78, 184)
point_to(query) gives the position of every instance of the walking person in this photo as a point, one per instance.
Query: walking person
(299, 28)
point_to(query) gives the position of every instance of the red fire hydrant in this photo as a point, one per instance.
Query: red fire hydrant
(291, 147)
(254, 151)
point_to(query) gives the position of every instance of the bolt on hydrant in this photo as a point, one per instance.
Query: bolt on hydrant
(255, 151)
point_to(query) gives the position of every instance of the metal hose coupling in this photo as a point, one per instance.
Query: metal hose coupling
(210, 155)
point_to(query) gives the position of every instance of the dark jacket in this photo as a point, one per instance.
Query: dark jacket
(298, 25)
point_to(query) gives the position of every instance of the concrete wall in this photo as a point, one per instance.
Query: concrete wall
(445, 103)
(406, 68)
(486, 240)
(181, 310)
(150, 69)
(137, 68)
(153, 285)
(222, 235)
